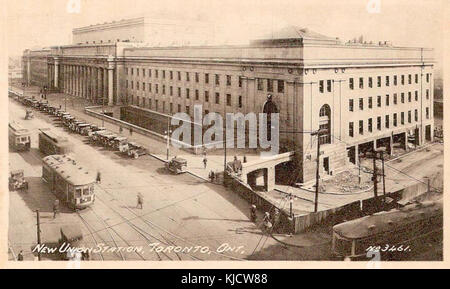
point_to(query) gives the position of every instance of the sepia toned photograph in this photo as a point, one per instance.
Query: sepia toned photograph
(207, 130)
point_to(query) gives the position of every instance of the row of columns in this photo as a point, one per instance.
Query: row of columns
(84, 81)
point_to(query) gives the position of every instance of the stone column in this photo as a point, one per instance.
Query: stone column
(94, 84)
(99, 83)
(105, 84)
(110, 82)
(56, 71)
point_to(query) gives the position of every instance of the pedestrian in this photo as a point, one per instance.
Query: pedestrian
(99, 177)
(140, 201)
(120, 129)
(131, 131)
(245, 159)
(211, 176)
(275, 218)
(205, 161)
(253, 216)
(266, 222)
(20, 256)
(60, 106)
(55, 208)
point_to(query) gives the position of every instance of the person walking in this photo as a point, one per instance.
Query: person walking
(131, 131)
(140, 201)
(253, 215)
(205, 162)
(55, 208)
(266, 222)
(99, 177)
(20, 256)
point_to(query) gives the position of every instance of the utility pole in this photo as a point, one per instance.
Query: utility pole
(316, 197)
(375, 175)
(38, 234)
(225, 137)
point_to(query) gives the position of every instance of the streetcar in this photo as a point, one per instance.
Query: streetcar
(19, 137)
(389, 231)
(70, 181)
(52, 144)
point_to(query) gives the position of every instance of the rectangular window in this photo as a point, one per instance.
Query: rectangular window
(387, 121)
(179, 91)
(187, 77)
(137, 84)
(143, 72)
(143, 85)
(126, 85)
(156, 104)
(370, 82)
(164, 106)
(403, 80)
(217, 79)
(416, 115)
(361, 82)
(402, 117)
(197, 78)
(427, 93)
(206, 96)
(156, 73)
(270, 85)
(164, 90)
(350, 83)
(132, 71)
(379, 81)
(416, 95)
(187, 93)
(149, 87)
(409, 116)
(187, 109)
(228, 80)
(206, 77)
(329, 85)
(137, 71)
(240, 81)
(171, 75)
(196, 94)
(171, 90)
(350, 104)
(321, 86)
(156, 88)
(427, 111)
(369, 125)
(409, 78)
(361, 127)
(179, 107)
(164, 74)
(217, 98)
(240, 101)
(409, 96)
(379, 100)
(416, 78)
(387, 99)
(132, 85)
(259, 83)
(350, 129)
(228, 99)
(280, 86)
(395, 119)
(387, 80)
(149, 73)
(370, 102)
(171, 107)
(395, 98)
(361, 104)
(402, 98)
(428, 77)
(379, 123)
(395, 80)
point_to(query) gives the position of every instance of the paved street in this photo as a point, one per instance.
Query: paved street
(178, 210)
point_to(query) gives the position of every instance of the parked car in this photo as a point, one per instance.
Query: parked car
(177, 165)
(17, 181)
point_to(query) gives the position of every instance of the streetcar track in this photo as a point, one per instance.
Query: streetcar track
(90, 232)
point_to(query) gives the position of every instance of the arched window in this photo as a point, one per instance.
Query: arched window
(325, 123)
(269, 108)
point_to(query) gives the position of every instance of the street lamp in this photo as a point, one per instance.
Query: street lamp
(319, 133)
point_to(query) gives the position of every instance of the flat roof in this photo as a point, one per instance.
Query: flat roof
(69, 169)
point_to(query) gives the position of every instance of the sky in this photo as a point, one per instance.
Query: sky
(39, 23)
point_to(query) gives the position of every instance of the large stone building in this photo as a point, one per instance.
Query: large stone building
(365, 95)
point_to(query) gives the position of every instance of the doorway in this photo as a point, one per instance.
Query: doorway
(326, 164)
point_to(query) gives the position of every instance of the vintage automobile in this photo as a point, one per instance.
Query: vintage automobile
(51, 109)
(29, 114)
(43, 107)
(177, 165)
(82, 127)
(108, 140)
(72, 236)
(120, 143)
(17, 181)
(74, 124)
(34, 103)
(135, 150)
